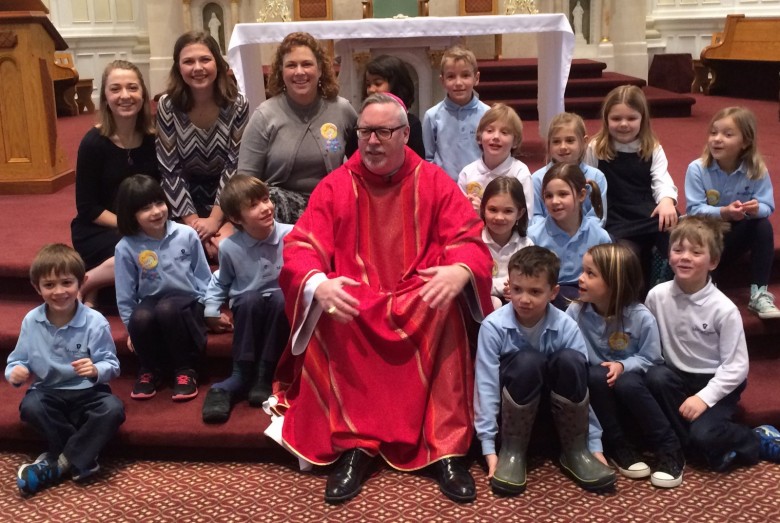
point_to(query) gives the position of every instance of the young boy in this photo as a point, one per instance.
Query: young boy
(68, 351)
(705, 351)
(528, 349)
(450, 127)
(249, 265)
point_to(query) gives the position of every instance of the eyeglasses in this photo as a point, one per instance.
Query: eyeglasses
(382, 133)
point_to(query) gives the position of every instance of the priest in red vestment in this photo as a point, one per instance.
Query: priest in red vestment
(382, 275)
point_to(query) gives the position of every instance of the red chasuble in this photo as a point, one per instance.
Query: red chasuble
(398, 380)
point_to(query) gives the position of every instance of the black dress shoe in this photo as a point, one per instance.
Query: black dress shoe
(346, 480)
(455, 480)
(216, 407)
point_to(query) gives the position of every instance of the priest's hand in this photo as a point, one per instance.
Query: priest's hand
(444, 283)
(335, 301)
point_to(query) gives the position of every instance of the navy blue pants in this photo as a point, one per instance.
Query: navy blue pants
(629, 400)
(168, 332)
(77, 423)
(260, 327)
(713, 434)
(754, 236)
(526, 374)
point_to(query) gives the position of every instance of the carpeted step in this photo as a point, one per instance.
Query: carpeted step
(528, 69)
(575, 87)
(157, 422)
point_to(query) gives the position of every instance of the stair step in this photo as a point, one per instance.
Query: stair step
(156, 422)
(528, 69)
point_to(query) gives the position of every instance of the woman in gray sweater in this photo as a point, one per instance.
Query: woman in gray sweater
(298, 135)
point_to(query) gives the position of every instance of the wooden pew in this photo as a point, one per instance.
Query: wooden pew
(65, 77)
(745, 58)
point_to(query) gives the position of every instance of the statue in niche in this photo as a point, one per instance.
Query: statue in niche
(213, 21)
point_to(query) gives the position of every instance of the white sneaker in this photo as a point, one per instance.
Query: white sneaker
(762, 302)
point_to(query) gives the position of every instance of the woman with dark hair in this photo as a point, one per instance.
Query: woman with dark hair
(200, 121)
(298, 135)
(390, 74)
(121, 144)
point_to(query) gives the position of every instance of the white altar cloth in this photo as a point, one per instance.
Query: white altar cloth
(555, 41)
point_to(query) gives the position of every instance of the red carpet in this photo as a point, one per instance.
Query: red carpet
(30, 221)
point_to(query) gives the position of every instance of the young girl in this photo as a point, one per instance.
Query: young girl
(161, 280)
(499, 134)
(730, 181)
(566, 143)
(623, 342)
(565, 230)
(503, 210)
(387, 73)
(642, 195)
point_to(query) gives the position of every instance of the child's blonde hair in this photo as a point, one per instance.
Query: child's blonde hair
(561, 121)
(572, 175)
(702, 230)
(632, 97)
(745, 121)
(459, 53)
(621, 271)
(504, 114)
(58, 259)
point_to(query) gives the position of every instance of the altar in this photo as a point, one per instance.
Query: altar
(416, 40)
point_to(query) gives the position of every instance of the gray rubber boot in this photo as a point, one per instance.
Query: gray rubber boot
(516, 424)
(571, 421)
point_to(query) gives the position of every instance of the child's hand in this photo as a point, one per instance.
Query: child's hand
(615, 370)
(219, 324)
(85, 368)
(475, 201)
(600, 456)
(750, 209)
(130, 345)
(732, 212)
(667, 214)
(492, 463)
(692, 408)
(506, 290)
(19, 375)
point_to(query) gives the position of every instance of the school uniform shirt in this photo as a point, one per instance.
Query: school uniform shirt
(500, 335)
(701, 333)
(245, 264)
(707, 189)
(634, 341)
(475, 176)
(145, 266)
(47, 351)
(591, 173)
(569, 249)
(501, 255)
(450, 134)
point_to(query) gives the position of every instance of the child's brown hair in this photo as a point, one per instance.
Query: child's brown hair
(533, 261)
(58, 259)
(562, 120)
(620, 269)
(572, 175)
(745, 121)
(631, 96)
(240, 192)
(699, 229)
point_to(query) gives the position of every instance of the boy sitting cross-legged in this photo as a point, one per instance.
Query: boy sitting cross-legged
(67, 350)
(529, 351)
(248, 275)
(705, 352)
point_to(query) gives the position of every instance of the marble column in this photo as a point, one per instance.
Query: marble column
(165, 21)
